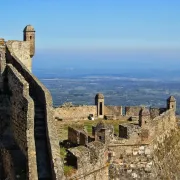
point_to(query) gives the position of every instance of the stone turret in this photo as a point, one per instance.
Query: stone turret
(99, 102)
(29, 35)
(144, 117)
(171, 103)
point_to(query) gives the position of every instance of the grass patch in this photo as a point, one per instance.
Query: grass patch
(69, 170)
(63, 152)
(88, 125)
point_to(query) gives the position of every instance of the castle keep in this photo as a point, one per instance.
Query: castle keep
(146, 140)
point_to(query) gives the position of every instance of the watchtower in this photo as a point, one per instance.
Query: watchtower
(171, 103)
(99, 102)
(144, 117)
(29, 35)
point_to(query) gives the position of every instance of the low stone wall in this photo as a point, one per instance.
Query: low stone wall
(91, 161)
(78, 137)
(115, 110)
(8, 166)
(132, 110)
(82, 112)
(75, 112)
(73, 135)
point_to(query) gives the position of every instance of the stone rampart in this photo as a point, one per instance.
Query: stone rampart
(141, 159)
(37, 90)
(154, 112)
(114, 110)
(162, 124)
(132, 110)
(22, 117)
(75, 112)
(83, 112)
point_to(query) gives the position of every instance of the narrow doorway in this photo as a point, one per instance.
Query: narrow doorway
(100, 109)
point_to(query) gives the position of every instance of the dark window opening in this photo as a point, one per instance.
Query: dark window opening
(172, 106)
(30, 37)
(100, 110)
(100, 137)
(71, 160)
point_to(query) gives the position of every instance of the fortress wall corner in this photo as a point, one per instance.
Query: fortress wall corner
(22, 117)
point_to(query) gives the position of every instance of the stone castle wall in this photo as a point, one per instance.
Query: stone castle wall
(75, 112)
(91, 162)
(162, 124)
(8, 166)
(114, 110)
(38, 91)
(22, 117)
(133, 162)
(140, 160)
(82, 112)
(21, 50)
(154, 112)
(20, 100)
(132, 110)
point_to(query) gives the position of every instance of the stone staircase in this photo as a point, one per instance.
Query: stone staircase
(42, 154)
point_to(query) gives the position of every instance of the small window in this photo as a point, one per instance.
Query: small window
(100, 137)
(30, 37)
(100, 111)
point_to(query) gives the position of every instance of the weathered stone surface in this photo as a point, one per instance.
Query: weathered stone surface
(21, 49)
(8, 166)
(74, 112)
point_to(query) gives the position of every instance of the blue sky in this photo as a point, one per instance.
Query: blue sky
(99, 25)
